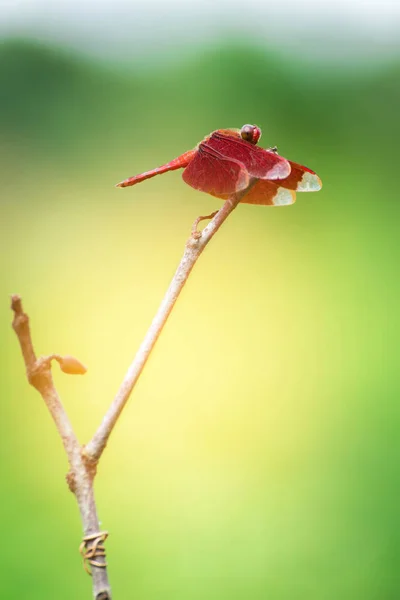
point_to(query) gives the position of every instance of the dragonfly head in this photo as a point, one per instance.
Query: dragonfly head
(250, 133)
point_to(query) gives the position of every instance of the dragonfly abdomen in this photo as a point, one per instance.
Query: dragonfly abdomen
(180, 162)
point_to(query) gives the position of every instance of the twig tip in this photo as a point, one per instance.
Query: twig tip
(16, 303)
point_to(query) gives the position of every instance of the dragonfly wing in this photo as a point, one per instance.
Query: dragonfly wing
(301, 179)
(212, 172)
(269, 193)
(258, 162)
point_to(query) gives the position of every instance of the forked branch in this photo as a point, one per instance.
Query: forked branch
(83, 460)
(81, 474)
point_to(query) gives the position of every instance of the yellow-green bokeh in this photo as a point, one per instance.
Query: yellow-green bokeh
(258, 457)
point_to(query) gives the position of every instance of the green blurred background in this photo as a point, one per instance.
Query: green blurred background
(259, 456)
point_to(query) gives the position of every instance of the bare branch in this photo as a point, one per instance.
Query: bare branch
(80, 477)
(194, 247)
(83, 461)
(38, 371)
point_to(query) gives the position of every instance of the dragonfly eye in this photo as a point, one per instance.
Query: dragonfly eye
(250, 133)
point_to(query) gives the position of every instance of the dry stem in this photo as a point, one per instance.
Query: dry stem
(83, 460)
(80, 477)
(194, 247)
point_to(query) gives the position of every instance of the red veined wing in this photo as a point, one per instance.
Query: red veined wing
(269, 193)
(212, 172)
(283, 193)
(301, 179)
(258, 162)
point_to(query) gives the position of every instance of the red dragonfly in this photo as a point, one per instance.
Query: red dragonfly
(223, 163)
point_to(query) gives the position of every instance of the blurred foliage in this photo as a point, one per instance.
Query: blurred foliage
(259, 455)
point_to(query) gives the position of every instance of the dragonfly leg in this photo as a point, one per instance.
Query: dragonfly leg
(195, 232)
(273, 149)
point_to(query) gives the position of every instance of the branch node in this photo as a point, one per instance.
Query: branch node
(71, 482)
(90, 463)
(196, 234)
(39, 373)
(194, 239)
